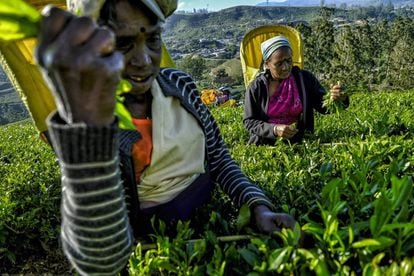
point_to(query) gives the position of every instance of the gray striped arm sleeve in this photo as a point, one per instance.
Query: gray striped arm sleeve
(95, 234)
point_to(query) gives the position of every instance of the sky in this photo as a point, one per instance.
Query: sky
(215, 5)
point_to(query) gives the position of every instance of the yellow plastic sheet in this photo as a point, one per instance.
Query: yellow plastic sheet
(250, 50)
(17, 60)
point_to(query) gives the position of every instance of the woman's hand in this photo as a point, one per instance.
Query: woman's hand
(268, 221)
(285, 131)
(336, 92)
(81, 64)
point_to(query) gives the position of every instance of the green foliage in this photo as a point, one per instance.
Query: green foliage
(233, 70)
(18, 20)
(30, 194)
(351, 190)
(349, 186)
(194, 66)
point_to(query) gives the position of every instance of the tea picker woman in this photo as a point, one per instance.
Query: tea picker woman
(113, 180)
(281, 100)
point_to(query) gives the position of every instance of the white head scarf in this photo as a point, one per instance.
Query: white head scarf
(271, 45)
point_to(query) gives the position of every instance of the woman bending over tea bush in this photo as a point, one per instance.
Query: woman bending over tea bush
(281, 100)
(115, 180)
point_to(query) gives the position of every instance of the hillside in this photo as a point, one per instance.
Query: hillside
(198, 33)
(216, 36)
(349, 3)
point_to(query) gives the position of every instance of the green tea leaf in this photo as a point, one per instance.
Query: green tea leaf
(365, 243)
(19, 8)
(244, 217)
(406, 266)
(16, 28)
(402, 189)
(380, 242)
(250, 257)
(351, 234)
(124, 86)
(125, 118)
(321, 268)
(18, 20)
(278, 257)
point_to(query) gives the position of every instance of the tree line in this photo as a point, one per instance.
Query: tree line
(366, 55)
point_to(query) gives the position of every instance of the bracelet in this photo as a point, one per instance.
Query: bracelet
(275, 131)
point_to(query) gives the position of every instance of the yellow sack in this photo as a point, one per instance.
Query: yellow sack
(17, 60)
(250, 50)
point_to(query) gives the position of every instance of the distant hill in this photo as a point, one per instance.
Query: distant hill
(232, 22)
(218, 34)
(349, 3)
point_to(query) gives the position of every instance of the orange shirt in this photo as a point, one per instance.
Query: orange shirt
(142, 149)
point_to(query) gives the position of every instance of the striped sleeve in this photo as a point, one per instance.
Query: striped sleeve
(223, 168)
(95, 234)
(227, 173)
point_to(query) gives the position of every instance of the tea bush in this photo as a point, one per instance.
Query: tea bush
(29, 194)
(350, 187)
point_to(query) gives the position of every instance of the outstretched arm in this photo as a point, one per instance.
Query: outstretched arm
(83, 70)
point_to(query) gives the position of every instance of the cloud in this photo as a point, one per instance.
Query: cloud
(181, 5)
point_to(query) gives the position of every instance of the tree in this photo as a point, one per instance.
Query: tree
(401, 57)
(194, 66)
(322, 40)
(383, 48)
(367, 52)
(345, 60)
(221, 77)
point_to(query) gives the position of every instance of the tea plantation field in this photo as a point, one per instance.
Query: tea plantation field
(349, 186)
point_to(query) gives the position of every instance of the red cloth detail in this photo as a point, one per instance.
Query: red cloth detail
(142, 149)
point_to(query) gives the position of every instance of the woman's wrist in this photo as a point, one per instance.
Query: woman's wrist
(275, 130)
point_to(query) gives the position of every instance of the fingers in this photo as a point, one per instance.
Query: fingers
(283, 220)
(81, 64)
(65, 35)
(336, 91)
(285, 131)
(54, 20)
(336, 95)
(77, 32)
(102, 42)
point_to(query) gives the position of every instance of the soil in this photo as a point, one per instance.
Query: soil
(54, 263)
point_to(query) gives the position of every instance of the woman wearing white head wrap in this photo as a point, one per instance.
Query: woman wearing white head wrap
(280, 101)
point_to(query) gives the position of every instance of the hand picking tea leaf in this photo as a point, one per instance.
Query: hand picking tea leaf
(19, 20)
(331, 105)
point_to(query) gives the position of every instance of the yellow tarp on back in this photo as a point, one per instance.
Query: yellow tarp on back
(17, 60)
(250, 50)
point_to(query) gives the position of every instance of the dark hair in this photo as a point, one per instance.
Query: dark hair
(107, 15)
(262, 70)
